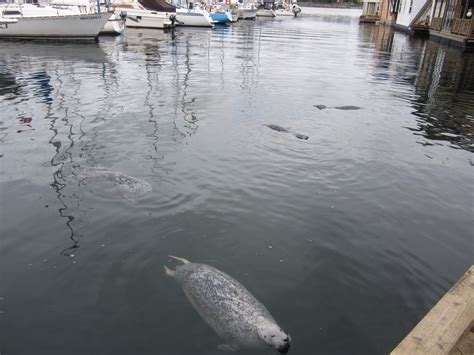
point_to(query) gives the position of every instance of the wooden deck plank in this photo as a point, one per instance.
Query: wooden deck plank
(447, 328)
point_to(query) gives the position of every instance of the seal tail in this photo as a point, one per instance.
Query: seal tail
(184, 261)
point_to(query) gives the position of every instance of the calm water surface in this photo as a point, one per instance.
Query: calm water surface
(348, 238)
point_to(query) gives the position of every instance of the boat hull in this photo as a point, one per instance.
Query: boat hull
(137, 18)
(266, 13)
(84, 27)
(247, 14)
(283, 12)
(221, 17)
(190, 18)
(114, 27)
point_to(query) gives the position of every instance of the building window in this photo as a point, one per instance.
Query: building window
(411, 6)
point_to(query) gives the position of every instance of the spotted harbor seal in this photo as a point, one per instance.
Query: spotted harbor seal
(278, 128)
(349, 107)
(131, 187)
(345, 108)
(301, 136)
(234, 314)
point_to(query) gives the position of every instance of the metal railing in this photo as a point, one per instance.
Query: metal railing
(461, 26)
(436, 23)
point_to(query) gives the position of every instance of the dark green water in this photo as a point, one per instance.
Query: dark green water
(348, 237)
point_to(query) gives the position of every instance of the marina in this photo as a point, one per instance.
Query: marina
(323, 162)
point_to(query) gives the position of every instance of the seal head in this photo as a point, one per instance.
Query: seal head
(271, 334)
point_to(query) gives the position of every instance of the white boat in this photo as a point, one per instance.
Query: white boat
(284, 12)
(7, 21)
(115, 26)
(248, 12)
(234, 11)
(266, 13)
(193, 17)
(266, 9)
(32, 21)
(140, 17)
(287, 9)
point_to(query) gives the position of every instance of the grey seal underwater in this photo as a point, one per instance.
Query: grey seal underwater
(229, 308)
(278, 128)
(345, 108)
(131, 187)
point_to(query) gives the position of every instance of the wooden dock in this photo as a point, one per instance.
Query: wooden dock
(448, 328)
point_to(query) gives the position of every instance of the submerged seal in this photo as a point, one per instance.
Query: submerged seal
(131, 187)
(278, 128)
(234, 314)
(301, 136)
(348, 107)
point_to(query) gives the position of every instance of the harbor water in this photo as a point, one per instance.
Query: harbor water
(114, 155)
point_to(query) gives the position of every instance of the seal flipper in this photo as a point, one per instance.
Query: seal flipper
(227, 347)
(184, 261)
(169, 272)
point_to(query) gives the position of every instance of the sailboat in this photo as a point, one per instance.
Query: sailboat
(247, 11)
(287, 9)
(193, 16)
(219, 14)
(266, 9)
(147, 13)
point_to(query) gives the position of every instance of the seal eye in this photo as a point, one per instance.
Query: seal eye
(273, 336)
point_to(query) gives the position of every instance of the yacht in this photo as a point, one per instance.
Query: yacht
(193, 17)
(287, 9)
(116, 24)
(139, 16)
(30, 21)
(219, 14)
(266, 9)
(247, 11)
(283, 9)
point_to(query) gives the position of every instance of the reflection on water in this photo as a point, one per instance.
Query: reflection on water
(445, 107)
(120, 153)
(443, 82)
(8, 84)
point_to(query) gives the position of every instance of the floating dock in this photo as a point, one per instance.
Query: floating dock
(448, 328)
